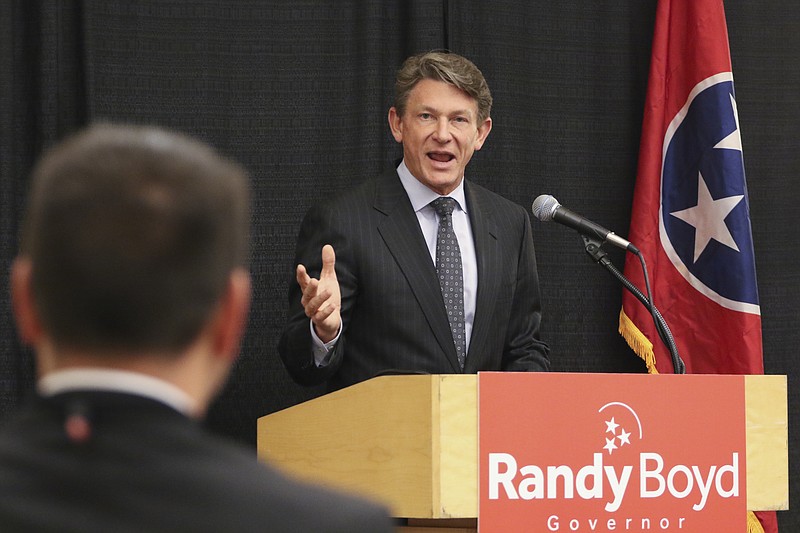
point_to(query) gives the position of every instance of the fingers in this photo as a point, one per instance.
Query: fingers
(321, 297)
(316, 301)
(302, 277)
(328, 267)
(322, 314)
(328, 261)
(311, 292)
(312, 295)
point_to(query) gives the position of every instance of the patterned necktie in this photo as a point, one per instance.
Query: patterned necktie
(451, 277)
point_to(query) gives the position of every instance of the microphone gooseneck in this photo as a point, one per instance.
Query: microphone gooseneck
(546, 208)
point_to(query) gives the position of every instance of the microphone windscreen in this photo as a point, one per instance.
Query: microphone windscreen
(544, 206)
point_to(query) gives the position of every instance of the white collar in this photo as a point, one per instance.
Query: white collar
(112, 380)
(420, 195)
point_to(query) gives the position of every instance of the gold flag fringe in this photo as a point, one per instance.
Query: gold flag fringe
(753, 525)
(640, 344)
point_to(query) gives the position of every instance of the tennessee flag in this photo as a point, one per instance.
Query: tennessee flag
(690, 215)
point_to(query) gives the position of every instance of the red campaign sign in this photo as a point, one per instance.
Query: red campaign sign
(611, 452)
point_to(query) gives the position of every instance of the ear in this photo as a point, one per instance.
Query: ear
(229, 325)
(29, 326)
(483, 132)
(396, 125)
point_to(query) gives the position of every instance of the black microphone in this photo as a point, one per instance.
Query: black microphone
(547, 208)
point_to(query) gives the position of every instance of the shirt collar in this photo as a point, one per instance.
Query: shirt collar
(420, 195)
(112, 380)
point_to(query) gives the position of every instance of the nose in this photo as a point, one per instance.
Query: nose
(442, 132)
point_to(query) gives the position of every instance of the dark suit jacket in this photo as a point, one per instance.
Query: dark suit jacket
(147, 468)
(393, 314)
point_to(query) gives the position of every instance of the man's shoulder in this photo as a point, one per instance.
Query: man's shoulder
(367, 187)
(384, 188)
(488, 200)
(176, 453)
(261, 489)
(328, 507)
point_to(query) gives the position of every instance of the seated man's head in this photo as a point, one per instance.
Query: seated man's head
(130, 242)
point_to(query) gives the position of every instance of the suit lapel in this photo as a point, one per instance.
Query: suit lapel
(488, 253)
(402, 235)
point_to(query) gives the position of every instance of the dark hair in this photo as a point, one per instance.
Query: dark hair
(132, 233)
(449, 68)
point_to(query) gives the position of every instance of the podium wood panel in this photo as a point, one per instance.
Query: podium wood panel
(408, 441)
(766, 424)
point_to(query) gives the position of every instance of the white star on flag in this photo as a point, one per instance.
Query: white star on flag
(734, 140)
(708, 218)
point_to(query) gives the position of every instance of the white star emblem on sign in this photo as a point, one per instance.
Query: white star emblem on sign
(708, 218)
(610, 446)
(624, 437)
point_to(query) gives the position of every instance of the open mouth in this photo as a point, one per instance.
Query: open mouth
(441, 157)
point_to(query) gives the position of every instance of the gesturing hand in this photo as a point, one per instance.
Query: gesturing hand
(322, 298)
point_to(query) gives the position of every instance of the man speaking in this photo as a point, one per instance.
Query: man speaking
(419, 269)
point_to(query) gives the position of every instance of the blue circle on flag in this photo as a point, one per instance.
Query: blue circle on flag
(705, 210)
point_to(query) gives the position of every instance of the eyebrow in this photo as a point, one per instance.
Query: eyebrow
(429, 109)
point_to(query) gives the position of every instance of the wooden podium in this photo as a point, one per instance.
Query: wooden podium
(411, 442)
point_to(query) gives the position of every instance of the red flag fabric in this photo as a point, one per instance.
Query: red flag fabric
(690, 215)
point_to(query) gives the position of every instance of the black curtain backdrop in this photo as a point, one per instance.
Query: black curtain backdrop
(299, 91)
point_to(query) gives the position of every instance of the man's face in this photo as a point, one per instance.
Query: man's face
(440, 132)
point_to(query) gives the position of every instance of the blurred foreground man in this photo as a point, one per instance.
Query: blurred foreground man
(133, 288)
